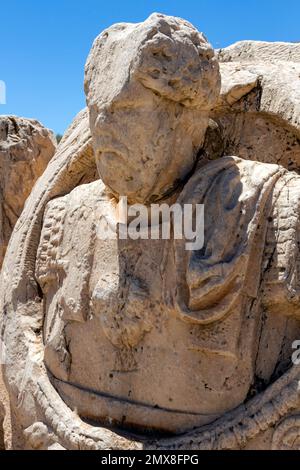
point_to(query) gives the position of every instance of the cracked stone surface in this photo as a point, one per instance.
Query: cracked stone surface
(26, 147)
(25, 150)
(188, 349)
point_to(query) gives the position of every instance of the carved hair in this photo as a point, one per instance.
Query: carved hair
(177, 62)
(168, 56)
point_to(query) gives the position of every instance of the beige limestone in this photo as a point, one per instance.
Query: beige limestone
(2, 414)
(260, 51)
(143, 335)
(25, 150)
(160, 91)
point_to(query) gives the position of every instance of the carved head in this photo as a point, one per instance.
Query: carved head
(149, 88)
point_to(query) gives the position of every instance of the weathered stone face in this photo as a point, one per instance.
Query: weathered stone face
(143, 333)
(149, 90)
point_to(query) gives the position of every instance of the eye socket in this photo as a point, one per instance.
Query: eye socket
(155, 73)
(122, 105)
(161, 55)
(126, 104)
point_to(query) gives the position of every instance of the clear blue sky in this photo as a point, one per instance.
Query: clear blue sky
(44, 43)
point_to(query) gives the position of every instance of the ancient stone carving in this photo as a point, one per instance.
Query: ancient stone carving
(144, 335)
(2, 413)
(25, 150)
(287, 434)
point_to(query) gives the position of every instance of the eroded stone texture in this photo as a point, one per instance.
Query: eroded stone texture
(25, 150)
(167, 79)
(260, 51)
(2, 414)
(258, 112)
(143, 334)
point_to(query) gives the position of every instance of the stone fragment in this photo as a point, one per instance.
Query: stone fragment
(26, 147)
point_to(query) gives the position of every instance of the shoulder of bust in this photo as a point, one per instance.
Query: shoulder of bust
(282, 253)
(63, 216)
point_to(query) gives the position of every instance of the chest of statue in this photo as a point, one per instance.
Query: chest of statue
(117, 298)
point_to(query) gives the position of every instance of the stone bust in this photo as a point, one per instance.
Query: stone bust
(152, 343)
